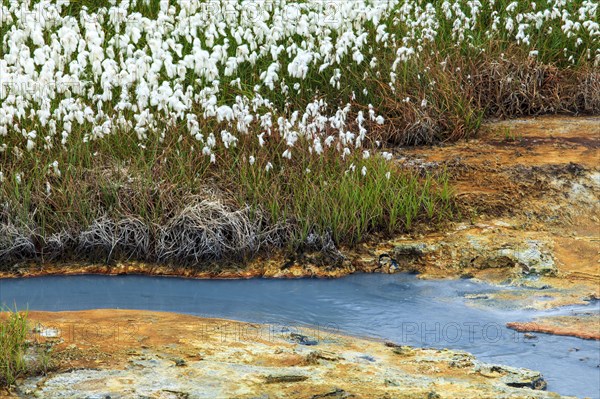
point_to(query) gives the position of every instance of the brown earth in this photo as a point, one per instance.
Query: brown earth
(133, 354)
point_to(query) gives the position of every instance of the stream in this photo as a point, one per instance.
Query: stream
(399, 307)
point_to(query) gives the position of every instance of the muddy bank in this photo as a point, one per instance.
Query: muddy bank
(585, 326)
(275, 266)
(123, 354)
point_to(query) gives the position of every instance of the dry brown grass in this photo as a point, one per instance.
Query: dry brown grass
(461, 92)
(509, 88)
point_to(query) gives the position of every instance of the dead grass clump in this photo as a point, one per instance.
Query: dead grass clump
(16, 244)
(106, 239)
(207, 231)
(98, 240)
(58, 245)
(132, 239)
(325, 246)
(429, 103)
(588, 99)
(408, 124)
(510, 88)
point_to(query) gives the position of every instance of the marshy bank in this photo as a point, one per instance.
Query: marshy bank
(527, 192)
(144, 136)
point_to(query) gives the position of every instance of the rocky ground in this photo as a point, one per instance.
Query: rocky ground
(139, 354)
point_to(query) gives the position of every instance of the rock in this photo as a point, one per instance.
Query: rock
(410, 250)
(49, 333)
(403, 350)
(315, 356)
(302, 339)
(533, 257)
(368, 358)
(387, 264)
(180, 362)
(513, 376)
(536, 383)
(337, 393)
(583, 326)
(276, 379)
(178, 394)
(461, 361)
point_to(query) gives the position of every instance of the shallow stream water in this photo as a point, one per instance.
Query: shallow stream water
(399, 307)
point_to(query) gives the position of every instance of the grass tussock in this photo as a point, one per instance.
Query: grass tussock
(208, 230)
(508, 88)
(19, 356)
(13, 345)
(457, 94)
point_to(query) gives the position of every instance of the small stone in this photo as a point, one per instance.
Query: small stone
(337, 393)
(414, 250)
(180, 362)
(273, 379)
(302, 339)
(315, 356)
(403, 350)
(368, 358)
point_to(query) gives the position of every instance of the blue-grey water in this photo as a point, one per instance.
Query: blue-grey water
(399, 307)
